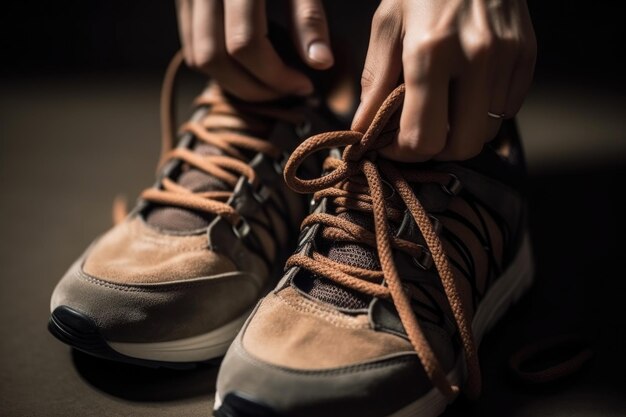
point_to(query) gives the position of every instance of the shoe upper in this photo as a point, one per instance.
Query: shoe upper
(363, 312)
(203, 244)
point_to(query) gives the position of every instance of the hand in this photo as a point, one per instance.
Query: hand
(227, 39)
(460, 59)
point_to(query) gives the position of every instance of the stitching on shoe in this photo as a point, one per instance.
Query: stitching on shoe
(177, 244)
(332, 317)
(149, 289)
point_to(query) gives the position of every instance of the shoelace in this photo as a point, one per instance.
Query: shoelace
(228, 126)
(355, 182)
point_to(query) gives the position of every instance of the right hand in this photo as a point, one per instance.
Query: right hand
(227, 39)
(460, 60)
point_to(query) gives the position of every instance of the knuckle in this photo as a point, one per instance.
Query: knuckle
(433, 146)
(189, 61)
(240, 43)
(368, 79)
(408, 141)
(205, 56)
(424, 51)
(432, 43)
(383, 17)
(311, 17)
(420, 143)
(481, 45)
(387, 22)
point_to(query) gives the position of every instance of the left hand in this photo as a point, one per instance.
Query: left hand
(227, 39)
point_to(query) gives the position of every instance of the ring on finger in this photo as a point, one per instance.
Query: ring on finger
(496, 115)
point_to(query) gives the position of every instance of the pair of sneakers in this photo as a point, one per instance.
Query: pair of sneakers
(395, 274)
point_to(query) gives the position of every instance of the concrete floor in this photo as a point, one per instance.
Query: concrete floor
(68, 146)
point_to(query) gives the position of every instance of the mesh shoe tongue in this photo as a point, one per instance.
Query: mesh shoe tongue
(354, 254)
(180, 219)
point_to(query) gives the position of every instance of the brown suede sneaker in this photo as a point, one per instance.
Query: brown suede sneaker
(173, 282)
(400, 271)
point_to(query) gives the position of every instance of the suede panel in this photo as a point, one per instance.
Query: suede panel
(158, 312)
(335, 392)
(292, 331)
(133, 252)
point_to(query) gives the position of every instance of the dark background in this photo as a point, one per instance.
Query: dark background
(579, 41)
(79, 88)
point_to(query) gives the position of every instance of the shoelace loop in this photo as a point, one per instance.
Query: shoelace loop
(229, 126)
(355, 182)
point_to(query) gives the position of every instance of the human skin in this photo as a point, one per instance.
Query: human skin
(459, 60)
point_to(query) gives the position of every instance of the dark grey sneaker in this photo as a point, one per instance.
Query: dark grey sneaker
(175, 280)
(400, 271)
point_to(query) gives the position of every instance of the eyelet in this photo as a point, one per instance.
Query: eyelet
(261, 194)
(436, 223)
(241, 229)
(453, 187)
(425, 261)
(302, 241)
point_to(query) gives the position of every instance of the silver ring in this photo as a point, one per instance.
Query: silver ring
(496, 115)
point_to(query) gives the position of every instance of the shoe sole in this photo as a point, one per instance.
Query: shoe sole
(507, 290)
(81, 332)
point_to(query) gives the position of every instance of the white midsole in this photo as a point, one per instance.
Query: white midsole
(505, 291)
(192, 349)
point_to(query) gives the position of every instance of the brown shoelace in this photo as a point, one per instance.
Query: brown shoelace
(229, 126)
(355, 183)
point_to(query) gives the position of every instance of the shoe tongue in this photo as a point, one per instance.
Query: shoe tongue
(227, 118)
(348, 253)
(178, 219)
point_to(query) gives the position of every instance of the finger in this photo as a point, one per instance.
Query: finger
(424, 118)
(311, 30)
(522, 77)
(470, 103)
(247, 43)
(206, 33)
(522, 80)
(183, 13)
(383, 66)
(209, 54)
(501, 74)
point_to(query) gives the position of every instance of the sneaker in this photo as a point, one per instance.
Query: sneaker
(174, 281)
(399, 272)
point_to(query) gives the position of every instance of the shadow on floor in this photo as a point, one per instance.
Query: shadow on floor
(135, 383)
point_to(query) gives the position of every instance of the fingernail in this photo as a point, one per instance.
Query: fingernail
(320, 52)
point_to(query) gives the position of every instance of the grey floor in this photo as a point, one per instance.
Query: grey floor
(69, 145)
